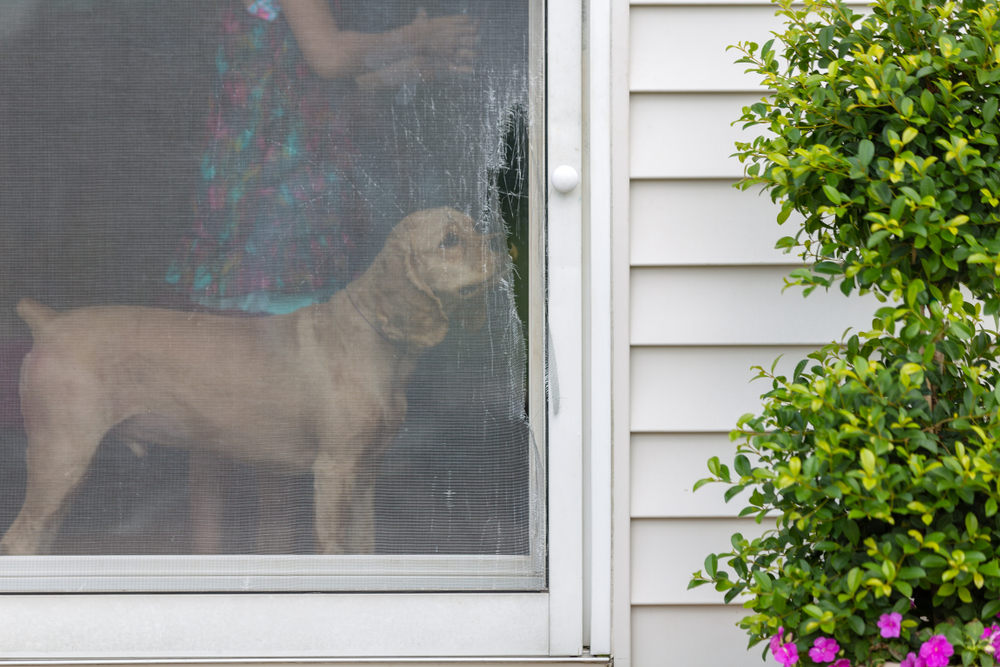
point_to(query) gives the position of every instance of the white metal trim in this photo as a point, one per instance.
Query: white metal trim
(565, 326)
(598, 306)
(621, 638)
(288, 626)
(201, 574)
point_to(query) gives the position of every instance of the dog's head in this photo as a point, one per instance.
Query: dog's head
(434, 263)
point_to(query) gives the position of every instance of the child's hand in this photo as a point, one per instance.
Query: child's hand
(415, 69)
(451, 39)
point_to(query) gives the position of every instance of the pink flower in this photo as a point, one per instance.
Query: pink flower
(911, 660)
(992, 633)
(889, 625)
(776, 641)
(843, 662)
(936, 651)
(824, 650)
(787, 654)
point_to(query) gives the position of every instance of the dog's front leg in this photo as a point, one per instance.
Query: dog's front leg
(360, 532)
(334, 479)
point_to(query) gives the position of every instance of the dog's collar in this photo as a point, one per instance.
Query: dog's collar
(377, 330)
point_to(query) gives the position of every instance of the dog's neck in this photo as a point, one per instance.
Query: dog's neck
(368, 319)
(401, 311)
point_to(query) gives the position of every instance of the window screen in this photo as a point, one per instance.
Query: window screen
(263, 295)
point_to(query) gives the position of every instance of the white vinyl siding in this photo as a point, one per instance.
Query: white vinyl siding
(705, 304)
(710, 221)
(698, 316)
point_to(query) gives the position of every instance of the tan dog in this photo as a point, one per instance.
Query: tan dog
(321, 389)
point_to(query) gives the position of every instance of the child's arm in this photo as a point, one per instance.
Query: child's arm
(333, 53)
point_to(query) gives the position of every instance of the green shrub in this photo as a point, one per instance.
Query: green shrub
(877, 459)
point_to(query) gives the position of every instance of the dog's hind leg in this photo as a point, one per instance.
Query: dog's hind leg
(54, 471)
(64, 426)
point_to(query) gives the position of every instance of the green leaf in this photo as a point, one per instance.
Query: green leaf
(927, 102)
(876, 238)
(786, 210)
(733, 491)
(832, 194)
(866, 151)
(854, 578)
(913, 290)
(933, 561)
(867, 457)
(712, 565)
(990, 569)
(912, 573)
(961, 329)
(851, 531)
(971, 524)
(897, 208)
(813, 610)
(990, 609)
(990, 108)
(741, 464)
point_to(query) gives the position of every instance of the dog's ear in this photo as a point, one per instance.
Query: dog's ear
(405, 309)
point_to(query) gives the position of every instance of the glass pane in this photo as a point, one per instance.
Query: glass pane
(264, 273)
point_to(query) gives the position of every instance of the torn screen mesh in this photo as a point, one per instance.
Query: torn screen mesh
(275, 266)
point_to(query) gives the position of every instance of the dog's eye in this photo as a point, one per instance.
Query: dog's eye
(450, 240)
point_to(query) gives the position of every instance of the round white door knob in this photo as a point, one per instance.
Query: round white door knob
(565, 178)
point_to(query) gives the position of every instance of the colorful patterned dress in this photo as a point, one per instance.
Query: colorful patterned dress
(278, 223)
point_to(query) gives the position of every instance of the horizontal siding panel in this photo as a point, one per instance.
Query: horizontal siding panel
(742, 305)
(686, 135)
(691, 637)
(700, 389)
(666, 552)
(664, 468)
(703, 222)
(684, 48)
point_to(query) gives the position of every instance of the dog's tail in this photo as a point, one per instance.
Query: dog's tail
(34, 313)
